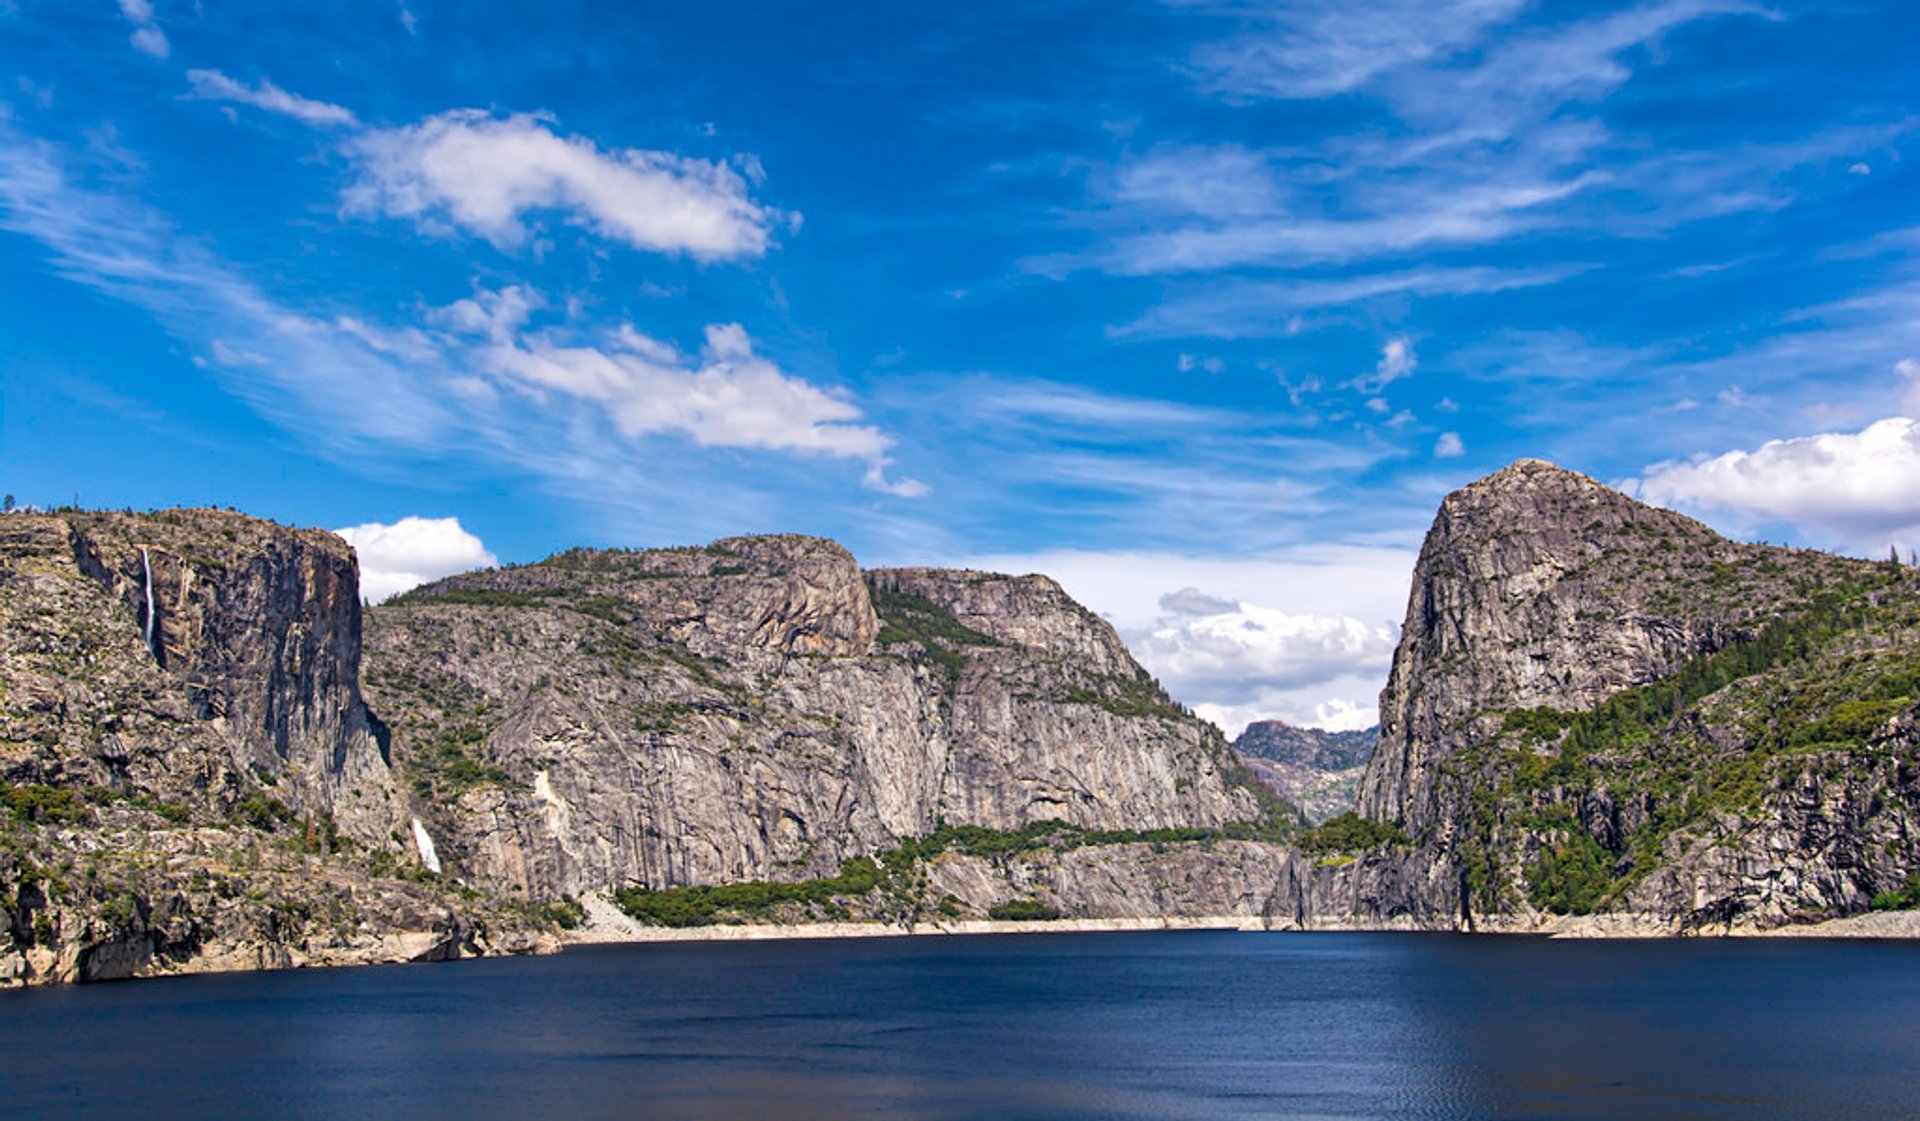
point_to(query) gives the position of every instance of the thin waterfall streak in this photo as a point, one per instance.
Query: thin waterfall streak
(146, 567)
(423, 840)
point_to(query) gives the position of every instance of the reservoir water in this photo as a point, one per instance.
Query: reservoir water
(1163, 1025)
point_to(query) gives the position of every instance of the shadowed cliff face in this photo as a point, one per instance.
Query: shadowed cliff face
(758, 709)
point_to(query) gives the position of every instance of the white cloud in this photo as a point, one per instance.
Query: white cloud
(1304, 634)
(1859, 169)
(412, 551)
(215, 86)
(1397, 360)
(1251, 657)
(726, 396)
(437, 392)
(1859, 489)
(1155, 241)
(1448, 446)
(147, 36)
(468, 169)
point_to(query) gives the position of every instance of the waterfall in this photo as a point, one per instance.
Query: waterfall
(146, 567)
(424, 841)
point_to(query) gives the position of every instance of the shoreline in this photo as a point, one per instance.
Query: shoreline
(607, 925)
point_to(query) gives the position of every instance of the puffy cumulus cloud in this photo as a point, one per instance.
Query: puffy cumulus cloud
(1449, 446)
(412, 551)
(1859, 489)
(147, 36)
(725, 396)
(1305, 635)
(469, 169)
(212, 85)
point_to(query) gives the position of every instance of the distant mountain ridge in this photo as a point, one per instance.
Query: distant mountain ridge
(1316, 769)
(1307, 747)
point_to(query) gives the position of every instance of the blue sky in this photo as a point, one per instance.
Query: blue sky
(1199, 306)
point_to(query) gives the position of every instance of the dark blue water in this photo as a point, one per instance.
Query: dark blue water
(1195, 1025)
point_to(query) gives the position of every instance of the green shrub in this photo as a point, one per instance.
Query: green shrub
(41, 804)
(1349, 833)
(1575, 878)
(1905, 898)
(565, 913)
(1023, 910)
(705, 905)
(262, 811)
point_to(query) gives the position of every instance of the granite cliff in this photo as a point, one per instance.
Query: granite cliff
(190, 778)
(1602, 708)
(194, 780)
(761, 709)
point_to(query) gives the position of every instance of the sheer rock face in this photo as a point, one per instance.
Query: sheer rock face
(156, 790)
(1264, 884)
(253, 666)
(743, 711)
(1538, 586)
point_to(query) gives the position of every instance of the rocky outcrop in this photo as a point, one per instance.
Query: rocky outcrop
(1600, 706)
(121, 898)
(1315, 769)
(760, 709)
(1537, 586)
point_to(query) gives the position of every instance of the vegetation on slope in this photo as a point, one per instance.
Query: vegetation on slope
(894, 883)
(1718, 737)
(906, 618)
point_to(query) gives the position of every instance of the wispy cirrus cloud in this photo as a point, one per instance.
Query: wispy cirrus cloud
(212, 85)
(1480, 129)
(290, 367)
(1250, 308)
(1325, 47)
